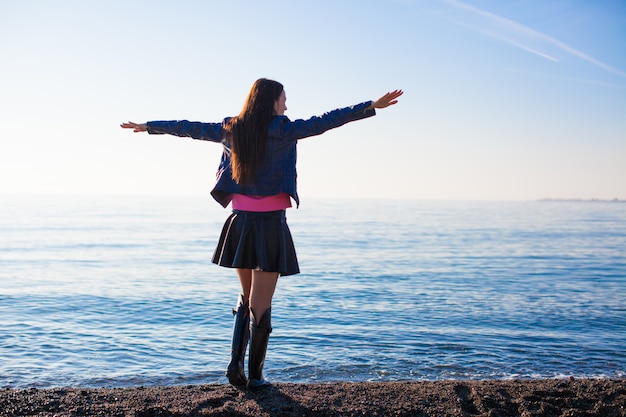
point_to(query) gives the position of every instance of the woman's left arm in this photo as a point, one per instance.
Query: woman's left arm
(197, 130)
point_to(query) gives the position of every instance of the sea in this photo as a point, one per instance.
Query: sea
(119, 291)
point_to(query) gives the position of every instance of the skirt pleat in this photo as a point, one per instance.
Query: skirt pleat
(257, 240)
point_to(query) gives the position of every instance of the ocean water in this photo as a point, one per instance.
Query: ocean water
(120, 291)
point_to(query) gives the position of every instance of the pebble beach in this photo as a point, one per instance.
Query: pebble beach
(460, 398)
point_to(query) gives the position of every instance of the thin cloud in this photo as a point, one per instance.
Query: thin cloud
(578, 80)
(530, 34)
(526, 48)
(509, 41)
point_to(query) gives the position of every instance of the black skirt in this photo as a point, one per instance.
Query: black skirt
(257, 240)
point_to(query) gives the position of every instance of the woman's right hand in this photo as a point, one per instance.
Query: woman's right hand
(387, 100)
(137, 127)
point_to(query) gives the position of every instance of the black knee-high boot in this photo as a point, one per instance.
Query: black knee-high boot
(259, 335)
(241, 333)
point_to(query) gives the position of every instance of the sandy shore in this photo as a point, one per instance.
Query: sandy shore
(571, 397)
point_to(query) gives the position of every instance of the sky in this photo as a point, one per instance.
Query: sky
(504, 100)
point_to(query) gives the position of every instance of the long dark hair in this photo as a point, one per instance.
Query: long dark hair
(249, 130)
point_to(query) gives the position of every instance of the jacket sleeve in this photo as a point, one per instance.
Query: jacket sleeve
(213, 132)
(316, 125)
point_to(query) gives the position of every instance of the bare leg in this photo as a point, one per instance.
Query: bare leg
(263, 285)
(245, 279)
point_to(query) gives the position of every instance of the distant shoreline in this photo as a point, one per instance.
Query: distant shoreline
(545, 397)
(87, 196)
(581, 200)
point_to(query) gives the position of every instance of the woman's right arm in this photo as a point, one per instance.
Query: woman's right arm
(316, 125)
(299, 129)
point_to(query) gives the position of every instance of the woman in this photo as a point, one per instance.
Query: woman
(257, 176)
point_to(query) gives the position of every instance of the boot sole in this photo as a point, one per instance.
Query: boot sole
(236, 380)
(259, 385)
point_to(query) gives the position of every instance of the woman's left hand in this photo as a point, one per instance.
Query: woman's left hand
(137, 127)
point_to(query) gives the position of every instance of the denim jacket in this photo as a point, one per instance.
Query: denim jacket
(278, 172)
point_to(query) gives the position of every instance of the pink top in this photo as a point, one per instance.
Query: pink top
(275, 202)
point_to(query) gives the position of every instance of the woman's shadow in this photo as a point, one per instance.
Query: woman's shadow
(275, 402)
(272, 401)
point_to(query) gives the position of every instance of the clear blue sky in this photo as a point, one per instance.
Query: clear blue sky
(504, 100)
